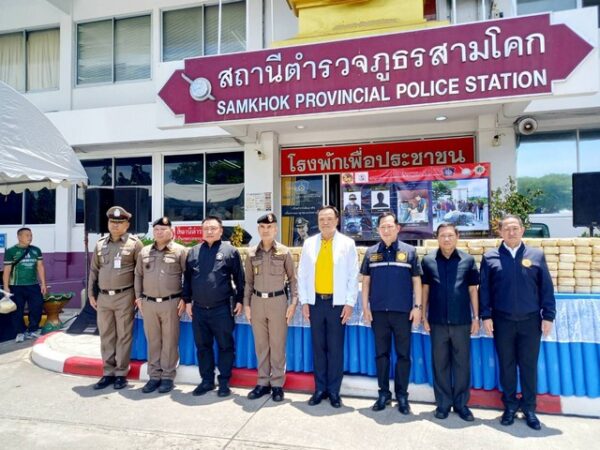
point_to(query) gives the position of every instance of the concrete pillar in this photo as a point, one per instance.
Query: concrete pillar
(262, 174)
(500, 152)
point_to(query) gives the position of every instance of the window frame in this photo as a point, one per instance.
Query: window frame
(204, 155)
(113, 185)
(578, 162)
(113, 19)
(203, 6)
(22, 221)
(24, 33)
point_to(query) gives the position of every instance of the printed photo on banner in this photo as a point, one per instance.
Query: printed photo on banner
(464, 203)
(352, 203)
(413, 206)
(380, 199)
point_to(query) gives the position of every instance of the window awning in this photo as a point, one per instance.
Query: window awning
(33, 153)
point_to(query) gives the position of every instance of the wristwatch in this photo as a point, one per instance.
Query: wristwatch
(418, 306)
(475, 318)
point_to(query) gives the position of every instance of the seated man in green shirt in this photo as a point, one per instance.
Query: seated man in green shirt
(23, 266)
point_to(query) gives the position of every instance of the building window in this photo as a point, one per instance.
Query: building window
(195, 31)
(119, 172)
(571, 152)
(184, 187)
(587, 3)
(540, 6)
(29, 60)
(216, 177)
(113, 50)
(28, 208)
(225, 185)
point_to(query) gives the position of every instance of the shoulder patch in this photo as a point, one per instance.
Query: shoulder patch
(375, 257)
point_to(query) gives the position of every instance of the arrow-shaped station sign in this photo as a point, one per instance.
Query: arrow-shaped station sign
(494, 59)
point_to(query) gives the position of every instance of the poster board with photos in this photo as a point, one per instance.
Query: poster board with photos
(421, 198)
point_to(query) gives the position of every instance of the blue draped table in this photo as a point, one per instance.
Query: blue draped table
(569, 362)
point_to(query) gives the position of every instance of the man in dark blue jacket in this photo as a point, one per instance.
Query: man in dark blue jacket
(517, 306)
(391, 301)
(213, 290)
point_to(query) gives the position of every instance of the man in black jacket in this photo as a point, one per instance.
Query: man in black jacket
(450, 308)
(213, 290)
(517, 306)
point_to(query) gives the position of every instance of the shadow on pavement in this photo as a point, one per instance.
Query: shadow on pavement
(11, 346)
(520, 428)
(321, 410)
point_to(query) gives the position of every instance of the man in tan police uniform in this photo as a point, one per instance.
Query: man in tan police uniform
(267, 267)
(110, 291)
(158, 282)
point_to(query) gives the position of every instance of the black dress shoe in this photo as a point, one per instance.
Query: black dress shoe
(508, 417)
(166, 386)
(258, 392)
(151, 386)
(277, 394)
(317, 397)
(105, 381)
(441, 413)
(465, 414)
(335, 400)
(532, 421)
(120, 382)
(403, 406)
(202, 389)
(385, 398)
(224, 390)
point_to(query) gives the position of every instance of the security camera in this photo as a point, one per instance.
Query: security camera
(526, 125)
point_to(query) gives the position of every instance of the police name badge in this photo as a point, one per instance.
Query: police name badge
(117, 262)
(219, 256)
(401, 256)
(526, 262)
(256, 270)
(375, 257)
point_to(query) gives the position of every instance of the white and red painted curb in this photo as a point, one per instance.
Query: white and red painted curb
(74, 355)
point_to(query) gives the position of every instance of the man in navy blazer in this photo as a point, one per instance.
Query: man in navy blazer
(517, 306)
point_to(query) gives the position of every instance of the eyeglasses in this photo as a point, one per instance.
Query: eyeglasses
(447, 236)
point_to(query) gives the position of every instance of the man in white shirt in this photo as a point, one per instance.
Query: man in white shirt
(328, 289)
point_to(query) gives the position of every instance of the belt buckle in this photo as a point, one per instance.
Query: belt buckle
(264, 295)
(111, 292)
(159, 300)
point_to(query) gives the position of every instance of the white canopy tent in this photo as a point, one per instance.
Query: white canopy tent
(33, 153)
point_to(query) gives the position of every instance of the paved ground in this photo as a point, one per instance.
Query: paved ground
(43, 409)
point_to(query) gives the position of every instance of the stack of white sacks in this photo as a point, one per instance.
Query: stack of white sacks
(574, 263)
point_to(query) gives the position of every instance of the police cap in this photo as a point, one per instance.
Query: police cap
(267, 218)
(301, 221)
(118, 214)
(164, 221)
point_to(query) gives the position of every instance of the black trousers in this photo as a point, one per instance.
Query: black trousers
(451, 357)
(385, 325)
(518, 346)
(327, 334)
(32, 295)
(209, 325)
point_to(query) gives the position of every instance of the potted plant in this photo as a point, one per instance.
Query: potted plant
(508, 200)
(53, 306)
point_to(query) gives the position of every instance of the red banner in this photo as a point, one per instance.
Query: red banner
(386, 155)
(188, 233)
